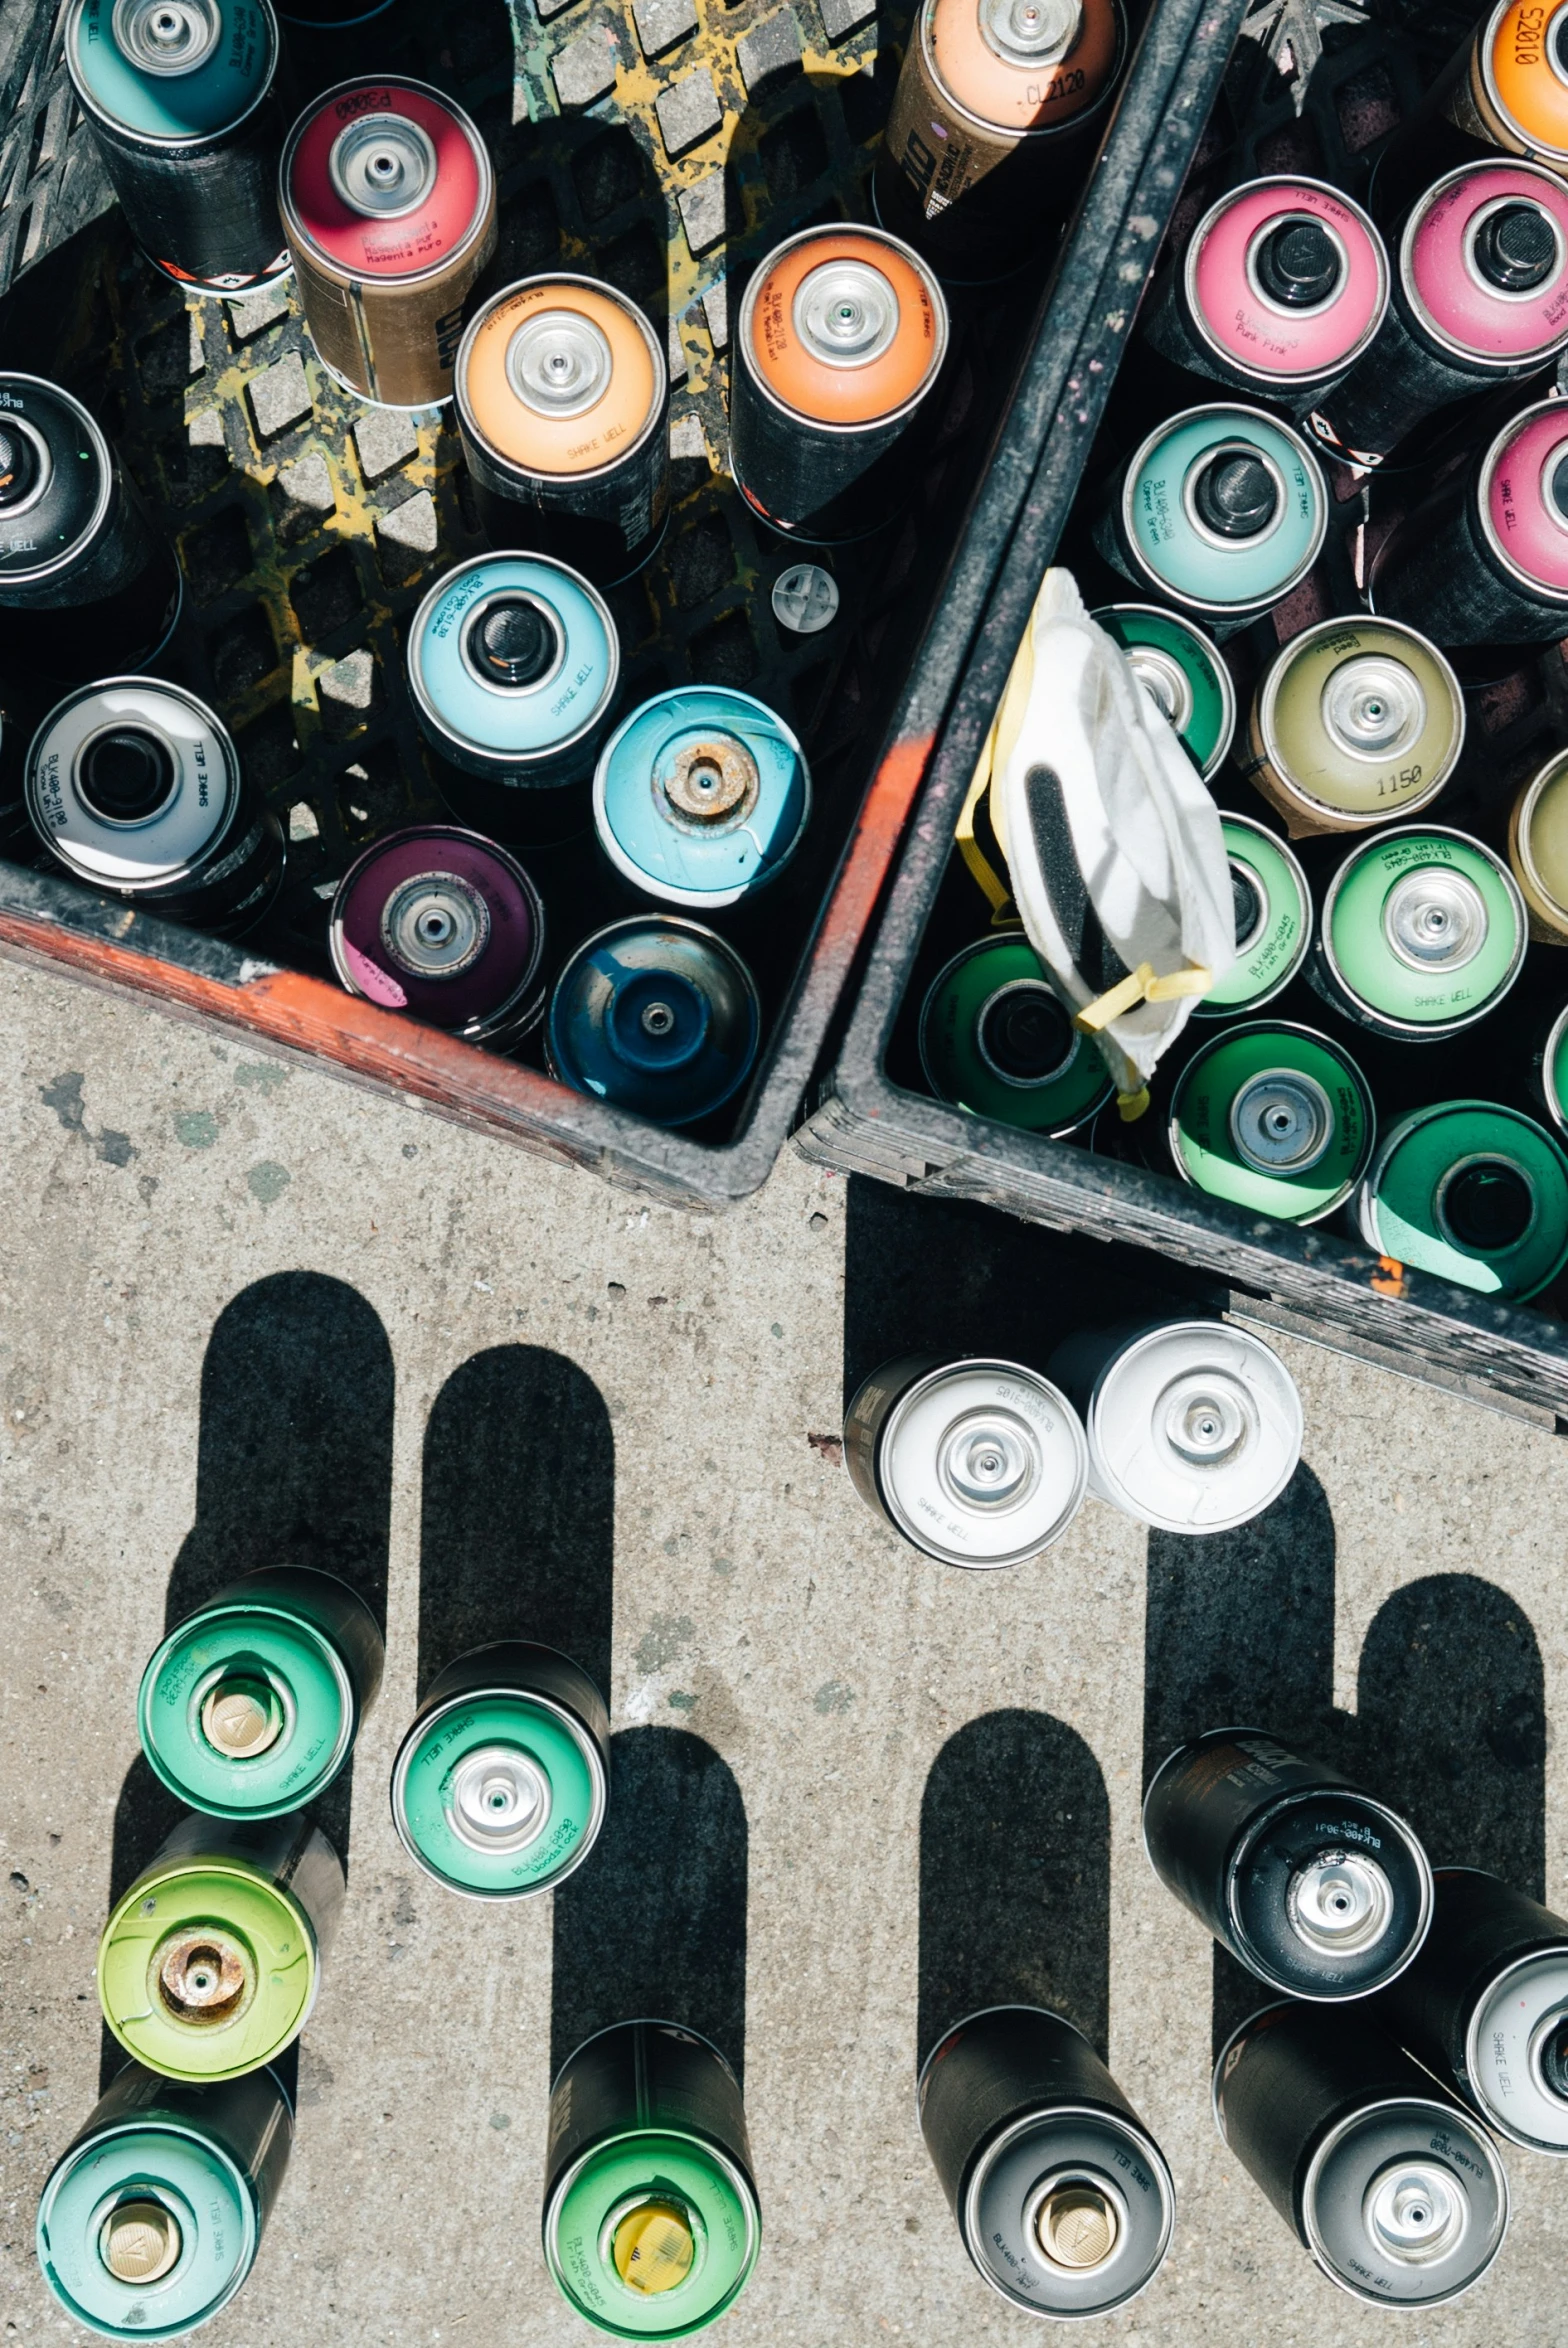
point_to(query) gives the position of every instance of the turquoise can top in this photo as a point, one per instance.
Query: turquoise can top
(1225, 508)
(498, 1793)
(701, 796)
(171, 71)
(166, 2206)
(513, 658)
(1474, 1193)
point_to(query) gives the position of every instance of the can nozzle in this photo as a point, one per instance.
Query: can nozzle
(711, 780)
(1516, 248)
(205, 1976)
(513, 642)
(653, 2247)
(126, 774)
(139, 2242)
(1024, 1033)
(1235, 494)
(1487, 1205)
(1299, 264)
(1077, 2227)
(241, 1718)
(18, 467)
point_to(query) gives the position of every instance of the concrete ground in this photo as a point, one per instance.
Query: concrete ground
(247, 1311)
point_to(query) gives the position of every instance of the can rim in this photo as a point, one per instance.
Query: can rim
(1202, 1007)
(107, 476)
(1402, 1831)
(425, 708)
(1023, 138)
(1299, 380)
(477, 1030)
(874, 235)
(177, 145)
(1477, 362)
(1075, 2108)
(1215, 660)
(1481, 56)
(638, 317)
(336, 271)
(1495, 2119)
(1387, 1022)
(1449, 2108)
(1292, 1027)
(670, 892)
(1267, 702)
(905, 1402)
(1162, 431)
(192, 868)
(1556, 1109)
(1535, 588)
(588, 1746)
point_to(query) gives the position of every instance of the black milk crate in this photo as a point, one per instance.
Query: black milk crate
(871, 1111)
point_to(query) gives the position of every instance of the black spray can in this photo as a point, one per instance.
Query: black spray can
(180, 97)
(1312, 1885)
(86, 583)
(1385, 2178)
(1486, 2005)
(1062, 2197)
(1484, 558)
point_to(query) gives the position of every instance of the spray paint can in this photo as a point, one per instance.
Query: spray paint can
(251, 1705)
(151, 2218)
(1480, 298)
(1508, 86)
(839, 345)
(1538, 850)
(1063, 2199)
(85, 579)
(976, 1462)
(1422, 934)
(439, 922)
(701, 796)
(1183, 675)
(996, 1039)
(1281, 289)
(137, 788)
(1221, 511)
(1278, 1120)
(563, 394)
(651, 2217)
(388, 201)
(1484, 559)
(997, 106)
(1193, 1426)
(1399, 2196)
(1314, 1886)
(1353, 723)
(180, 97)
(1485, 2005)
(1473, 1193)
(656, 1015)
(514, 664)
(1272, 907)
(210, 1963)
(1550, 1072)
(499, 1787)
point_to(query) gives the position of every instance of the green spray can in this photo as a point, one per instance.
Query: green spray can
(210, 1963)
(151, 2218)
(500, 1786)
(1275, 1119)
(1472, 1192)
(651, 2219)
(1422, 934)
(996, 1038)
(251, 1705)
(1272, 905)
(1183, 675)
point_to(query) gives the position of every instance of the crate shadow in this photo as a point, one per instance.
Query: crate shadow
(517, 1524)
(654, 1925)
(1015, 1877)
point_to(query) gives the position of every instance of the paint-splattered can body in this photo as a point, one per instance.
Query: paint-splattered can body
(251, 1705)
(1278, 1120)
(976, 1462)
(1272, 906)
(440, 922)
(1354, 722)
(997, 106)
(701, 796)
(1422, 933)
(1063, 2199)
(1472, 1192)
(1484, 560)
(997, 1039)
(1221, 511)
(180, 97)
(562, 402)
(1485, 2006)
(1281, 289)
(1193, 1426)
(657, 1015)
(1183, 675)
(86, 583)
(651, 2217)
(211, 1960)
(838, 350)
(499, 1788)
(1480, 298)
(1385, 2179)
(1538, 850)
(137, 788)
(151, 2218)
(388, 201)
(1314, 1886)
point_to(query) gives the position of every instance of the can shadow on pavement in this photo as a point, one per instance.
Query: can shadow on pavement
(1015, 1877)
(517, 1527)
(1450, 1726)
(653, 1925)
(293, 1467)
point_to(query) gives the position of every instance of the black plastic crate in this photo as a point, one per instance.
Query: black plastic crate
(871, 1111)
